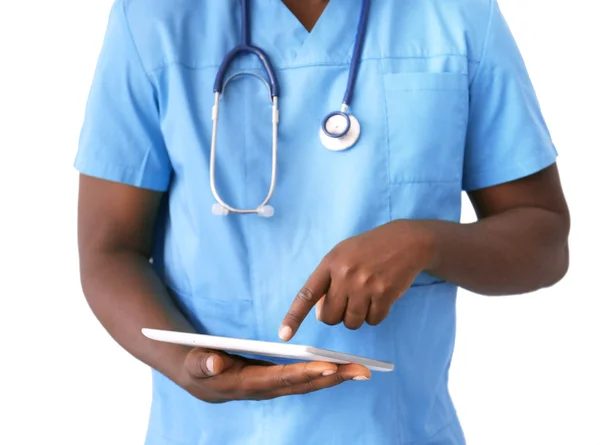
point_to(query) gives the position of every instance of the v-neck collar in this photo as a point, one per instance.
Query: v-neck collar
(287, 42)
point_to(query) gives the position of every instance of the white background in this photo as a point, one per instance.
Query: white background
(526, 369)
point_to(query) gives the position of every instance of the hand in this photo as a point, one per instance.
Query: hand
(362, 277)
(216, 377)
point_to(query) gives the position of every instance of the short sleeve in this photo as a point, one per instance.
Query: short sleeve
(507, 138)
(121, 138)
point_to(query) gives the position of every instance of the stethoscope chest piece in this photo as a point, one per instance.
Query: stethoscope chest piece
(339, 131)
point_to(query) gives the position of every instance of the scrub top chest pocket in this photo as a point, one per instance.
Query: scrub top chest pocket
(427, 121)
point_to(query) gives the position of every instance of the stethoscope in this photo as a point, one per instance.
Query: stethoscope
(339, 129)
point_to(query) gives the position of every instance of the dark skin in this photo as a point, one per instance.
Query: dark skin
(307, 11)
(116, 226)
(519, 244)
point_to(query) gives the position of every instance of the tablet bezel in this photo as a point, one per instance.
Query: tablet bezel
(264, 348)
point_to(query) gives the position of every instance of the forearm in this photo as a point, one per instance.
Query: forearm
(126, 295)
(514, 252)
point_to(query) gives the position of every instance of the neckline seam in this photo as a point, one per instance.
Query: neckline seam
(171, 63)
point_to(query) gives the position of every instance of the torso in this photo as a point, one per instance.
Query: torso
(236, 275)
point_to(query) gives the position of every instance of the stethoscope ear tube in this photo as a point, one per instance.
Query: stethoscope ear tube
(246, 49)
(222, 208)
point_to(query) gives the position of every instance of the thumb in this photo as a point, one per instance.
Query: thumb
(202, 363)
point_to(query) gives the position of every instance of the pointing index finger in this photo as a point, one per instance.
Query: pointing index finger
(315, 287)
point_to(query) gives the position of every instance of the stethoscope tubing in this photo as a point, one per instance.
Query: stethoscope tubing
(245, 47)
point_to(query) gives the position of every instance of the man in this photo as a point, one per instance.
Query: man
(370, 234)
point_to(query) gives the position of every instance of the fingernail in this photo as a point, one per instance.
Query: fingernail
(328, 372)
(285, 333)
(210, 364)
(361, 377)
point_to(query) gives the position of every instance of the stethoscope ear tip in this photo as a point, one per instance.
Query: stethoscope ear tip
(219, 210)
(265, 211)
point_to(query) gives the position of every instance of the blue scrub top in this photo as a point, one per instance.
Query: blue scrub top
(445, 105)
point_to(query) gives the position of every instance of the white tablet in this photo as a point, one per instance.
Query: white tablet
(264, 348)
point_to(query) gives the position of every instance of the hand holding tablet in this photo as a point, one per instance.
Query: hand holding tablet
(264, 348)
(216, 377)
